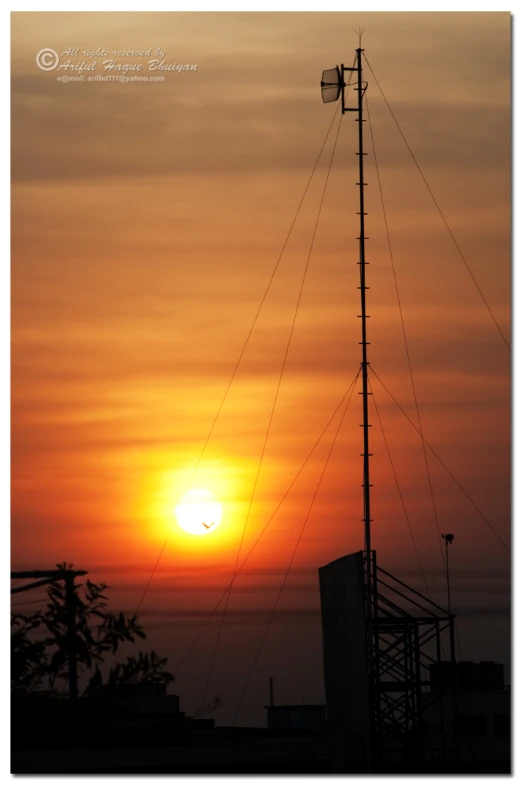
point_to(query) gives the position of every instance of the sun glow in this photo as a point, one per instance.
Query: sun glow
(198, 512)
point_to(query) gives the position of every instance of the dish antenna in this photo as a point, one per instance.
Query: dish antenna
(331, 84)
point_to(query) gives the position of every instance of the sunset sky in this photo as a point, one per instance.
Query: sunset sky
(146, 221)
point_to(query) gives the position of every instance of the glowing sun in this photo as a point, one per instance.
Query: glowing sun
(198, 512)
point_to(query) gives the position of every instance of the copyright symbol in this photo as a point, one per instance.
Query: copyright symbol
(47, 59)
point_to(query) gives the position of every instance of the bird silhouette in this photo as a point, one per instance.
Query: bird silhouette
(208, 525)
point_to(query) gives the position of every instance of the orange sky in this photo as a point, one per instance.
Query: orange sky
(146, 221)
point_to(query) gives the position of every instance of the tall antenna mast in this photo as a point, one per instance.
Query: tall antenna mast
(398, 643)
(362, 262)
(333, 85)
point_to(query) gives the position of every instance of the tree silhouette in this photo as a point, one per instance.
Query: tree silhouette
(27, 655)
(39, 642)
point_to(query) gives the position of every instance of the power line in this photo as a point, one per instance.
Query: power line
(264, 296)
(288, 569)
(42, 601)
(409, 362)
(241, 354)
(490, 526)
(272, 516)
(462, 255)
(274, 406)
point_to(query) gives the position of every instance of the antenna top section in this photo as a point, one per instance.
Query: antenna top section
(360, 33)
(448, 538)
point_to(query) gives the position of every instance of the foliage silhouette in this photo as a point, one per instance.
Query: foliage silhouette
(39, 643)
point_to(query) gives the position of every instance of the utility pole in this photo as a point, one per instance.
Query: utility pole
(70, 602)
(449, 538)
(43, 578)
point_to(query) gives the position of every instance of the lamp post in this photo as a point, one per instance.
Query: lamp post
(449, 538)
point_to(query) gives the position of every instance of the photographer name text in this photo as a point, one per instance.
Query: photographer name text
(116, 62)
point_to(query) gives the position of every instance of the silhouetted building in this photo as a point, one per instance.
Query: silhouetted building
(393, 704)
(303, 717)
(139, 729)
(482, 711)
(138, 700)
(345, 660)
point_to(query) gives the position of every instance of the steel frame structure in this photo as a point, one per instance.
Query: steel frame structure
(411, 635)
